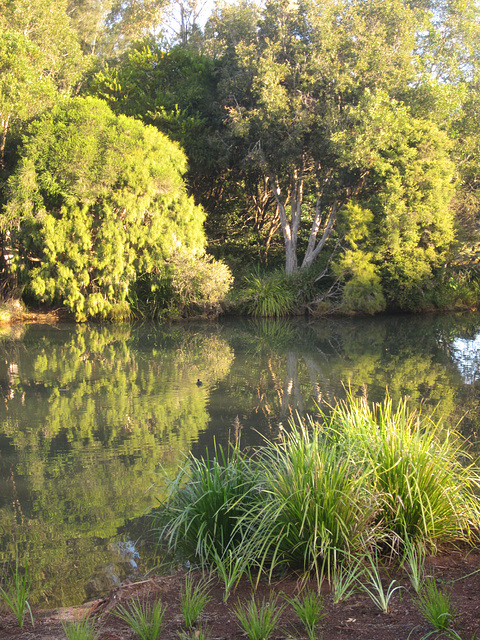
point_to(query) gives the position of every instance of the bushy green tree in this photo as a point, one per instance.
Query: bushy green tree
(97, 200)
(285, 89)
(405, 223)
(39, 58)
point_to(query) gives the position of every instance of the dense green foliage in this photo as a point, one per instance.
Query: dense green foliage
(365, 477)
(96, 201)
(338, 138)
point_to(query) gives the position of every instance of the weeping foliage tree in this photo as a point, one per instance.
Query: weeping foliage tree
(96, 201)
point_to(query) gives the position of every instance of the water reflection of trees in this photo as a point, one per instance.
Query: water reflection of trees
(88, 412)
(87, 415)
(303, 365)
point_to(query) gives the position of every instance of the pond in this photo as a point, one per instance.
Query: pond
(89, 415)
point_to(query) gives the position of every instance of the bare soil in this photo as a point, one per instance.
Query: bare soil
(355, 619)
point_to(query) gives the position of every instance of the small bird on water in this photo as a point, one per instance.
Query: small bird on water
(199, 383)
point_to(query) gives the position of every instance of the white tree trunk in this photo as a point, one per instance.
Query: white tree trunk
(290, 226)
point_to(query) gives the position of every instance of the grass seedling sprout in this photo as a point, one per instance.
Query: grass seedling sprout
(259, 621)
(83, 629)
(193, 600)
(14, 592)
(435, 605)
(374, 586)
(229, 569)
(310, 611)
(198, 633)
(345, 579)
(414, 563)
(145, 620)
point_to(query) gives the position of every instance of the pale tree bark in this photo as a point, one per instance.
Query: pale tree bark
(323, 222)
(4, 122)
(314, 249)
(290, 226)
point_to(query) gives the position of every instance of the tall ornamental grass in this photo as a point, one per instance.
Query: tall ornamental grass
(360, 478)
(202, 515)
(317, 507)
(422, 472)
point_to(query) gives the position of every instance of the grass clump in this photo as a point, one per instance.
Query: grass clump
(193, 600)
(269, 295)
(310, 611)
(318, 505)
(83, 629)
(14, 592)
(259, 621)
(202, 516)
(198, 633)
(145, 620)
(426, 491)
(435, 605)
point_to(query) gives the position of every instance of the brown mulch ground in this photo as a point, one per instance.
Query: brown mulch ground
(355, 619)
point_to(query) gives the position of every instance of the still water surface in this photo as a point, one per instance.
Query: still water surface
(89, 413)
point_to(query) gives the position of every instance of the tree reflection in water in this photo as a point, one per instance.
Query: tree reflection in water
(90, 412)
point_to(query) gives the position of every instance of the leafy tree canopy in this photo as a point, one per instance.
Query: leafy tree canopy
(314, 102)
(96, 200)
(40, 58)
(107, 28)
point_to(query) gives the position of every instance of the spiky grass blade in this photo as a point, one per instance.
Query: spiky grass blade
(14, 592)
(229, 570)
(259, 621)
(345, 578)
(374, 588)
(146, 620)
(197, 633)
(414, 563)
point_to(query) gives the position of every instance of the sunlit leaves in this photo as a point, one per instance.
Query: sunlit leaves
(98, 199)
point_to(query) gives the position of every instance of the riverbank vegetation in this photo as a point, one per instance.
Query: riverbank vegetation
(362, 482)
(332, 144)
(333, 526)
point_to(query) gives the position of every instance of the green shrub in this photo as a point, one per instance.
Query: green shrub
(199, 283)
(417, 468)
(202, 516)
(96, 200)
(188, 284)
(318, 508)
(362, 292)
